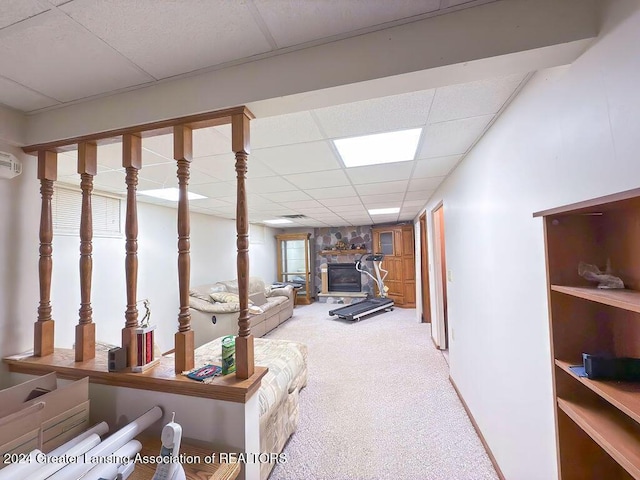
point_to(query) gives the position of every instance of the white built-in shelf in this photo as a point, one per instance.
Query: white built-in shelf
(623, 298)
(616, 434)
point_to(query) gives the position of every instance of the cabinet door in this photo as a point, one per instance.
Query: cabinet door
(385, 243)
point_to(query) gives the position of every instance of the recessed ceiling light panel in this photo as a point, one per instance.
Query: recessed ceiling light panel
(380, 148)
(278, 221)
(171, 194)
(382, 211)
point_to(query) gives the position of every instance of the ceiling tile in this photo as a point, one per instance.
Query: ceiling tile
(412, 203)
(210, 203)
(383, 187)
(171, 38)
(68, 166)
(452, 138)
(348, 209)
(21, 98)
(284, 130)
(65, 66)
(435, 167)
(331, 192)
(379, 219)
(421, 184)
(206, 142)
(13, 11)
(293, 196)
(298, 158)
(380, 173)
(307, 204)
(110, 180)
(223, 167)
(312, 210)
(164, 174)
(346, 199)
(269, 185)
(209, 141)
(216, 190)
(394, 198)
(473, 99)
(292, 22)
(422, 196)
(328, 178)
(395, 112)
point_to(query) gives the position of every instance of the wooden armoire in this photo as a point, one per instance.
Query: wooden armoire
(396, 243)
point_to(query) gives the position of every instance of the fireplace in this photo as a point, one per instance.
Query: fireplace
(343, 277)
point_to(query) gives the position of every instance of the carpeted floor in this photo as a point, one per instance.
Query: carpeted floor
(378, 404)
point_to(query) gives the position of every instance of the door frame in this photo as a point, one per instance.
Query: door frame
(425, 294)
(440, 278)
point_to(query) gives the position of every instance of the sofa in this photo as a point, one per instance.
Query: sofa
(215, 309)
(278, 395)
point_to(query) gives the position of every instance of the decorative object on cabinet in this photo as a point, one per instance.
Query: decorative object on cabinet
(294, 257)
(395, 242)
(597, 421)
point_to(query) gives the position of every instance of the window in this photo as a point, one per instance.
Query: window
(66, 207)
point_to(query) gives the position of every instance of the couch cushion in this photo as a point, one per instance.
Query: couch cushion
(287, 363)
(225, 297)
(258, 298)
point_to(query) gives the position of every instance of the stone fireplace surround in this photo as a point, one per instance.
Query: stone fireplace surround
(325, 239)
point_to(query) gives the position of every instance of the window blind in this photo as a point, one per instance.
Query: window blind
(67, 206)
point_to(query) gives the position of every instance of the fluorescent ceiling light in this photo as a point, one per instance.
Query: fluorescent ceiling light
(171, 194)
(278, 221)
(382, 211)
(388, 147)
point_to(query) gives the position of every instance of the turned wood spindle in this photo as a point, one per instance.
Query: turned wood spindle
(86, 329)
(184, 338)
(44, 327)
(244, 342)
(132, 162)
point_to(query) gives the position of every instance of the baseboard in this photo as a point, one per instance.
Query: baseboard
(477, 429)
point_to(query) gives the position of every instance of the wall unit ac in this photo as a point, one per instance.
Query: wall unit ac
(10, 166)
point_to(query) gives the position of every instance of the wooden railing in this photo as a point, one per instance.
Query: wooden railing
(131, 138)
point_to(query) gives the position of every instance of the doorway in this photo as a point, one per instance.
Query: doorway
(440, 272)
(424, 270)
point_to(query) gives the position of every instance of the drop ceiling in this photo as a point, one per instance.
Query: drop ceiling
(58, 52)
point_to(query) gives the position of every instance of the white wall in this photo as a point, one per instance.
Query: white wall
(571, 134)
(19, 214)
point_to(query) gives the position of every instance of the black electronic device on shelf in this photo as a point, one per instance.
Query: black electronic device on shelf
(602, 367)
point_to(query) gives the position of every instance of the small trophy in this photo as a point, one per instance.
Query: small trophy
(144, 342)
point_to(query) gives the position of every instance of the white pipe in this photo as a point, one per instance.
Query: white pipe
(50, 465)
(100, 429)
(21, 469)
(109, 444)
(110, 470)
(125, 471)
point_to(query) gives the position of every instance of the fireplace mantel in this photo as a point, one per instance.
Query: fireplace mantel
(346, 251)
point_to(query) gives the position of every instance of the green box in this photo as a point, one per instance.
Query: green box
(228, 354)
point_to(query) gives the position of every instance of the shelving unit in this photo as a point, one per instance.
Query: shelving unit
(597, 422)
(396, 243)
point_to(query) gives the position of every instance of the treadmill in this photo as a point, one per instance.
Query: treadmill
(356, 311)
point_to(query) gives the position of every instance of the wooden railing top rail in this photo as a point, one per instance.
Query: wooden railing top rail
(200, 120)
(160, 379)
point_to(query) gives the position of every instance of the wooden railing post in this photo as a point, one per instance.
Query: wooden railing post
(44, 328)
(244, 342)
(132, 162)
(86, 329)
(184, 337)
